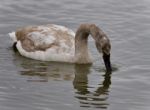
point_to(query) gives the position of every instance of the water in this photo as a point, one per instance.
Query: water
(33, 85)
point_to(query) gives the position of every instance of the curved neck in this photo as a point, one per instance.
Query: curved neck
(81, 41)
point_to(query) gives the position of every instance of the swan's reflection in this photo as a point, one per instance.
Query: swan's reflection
(49, 71)
(37, 71)
(44, 71)
(96, 99)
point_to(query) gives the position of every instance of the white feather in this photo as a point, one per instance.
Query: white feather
(40, 38)
(12, 35)
(48, 55)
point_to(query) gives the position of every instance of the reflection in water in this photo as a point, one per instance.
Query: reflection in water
(38, 71)
(96, 99)
(47, 71)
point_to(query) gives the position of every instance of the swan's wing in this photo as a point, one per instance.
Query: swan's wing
(41, 38)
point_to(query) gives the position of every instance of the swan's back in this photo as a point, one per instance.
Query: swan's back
(46, 42)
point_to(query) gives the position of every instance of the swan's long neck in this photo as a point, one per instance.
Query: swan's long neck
(81, 42)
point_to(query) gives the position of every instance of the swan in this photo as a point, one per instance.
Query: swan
(57, 43)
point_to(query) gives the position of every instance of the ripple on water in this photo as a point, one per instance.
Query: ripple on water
(26, 84)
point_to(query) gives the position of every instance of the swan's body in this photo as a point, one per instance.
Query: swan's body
(46, 43)
(58, 43)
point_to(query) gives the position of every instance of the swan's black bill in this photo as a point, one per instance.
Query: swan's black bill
(107, 62)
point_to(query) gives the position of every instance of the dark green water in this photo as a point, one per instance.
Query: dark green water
(33, 85)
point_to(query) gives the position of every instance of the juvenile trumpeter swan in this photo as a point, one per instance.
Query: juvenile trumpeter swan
(58, 43)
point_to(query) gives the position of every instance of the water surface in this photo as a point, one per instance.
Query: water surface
(27, 84)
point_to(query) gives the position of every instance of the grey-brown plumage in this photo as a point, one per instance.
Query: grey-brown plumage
(101, 40)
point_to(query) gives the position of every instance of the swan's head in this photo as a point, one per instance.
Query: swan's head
(104, 47)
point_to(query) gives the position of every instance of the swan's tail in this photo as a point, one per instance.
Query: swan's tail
(12, 35)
